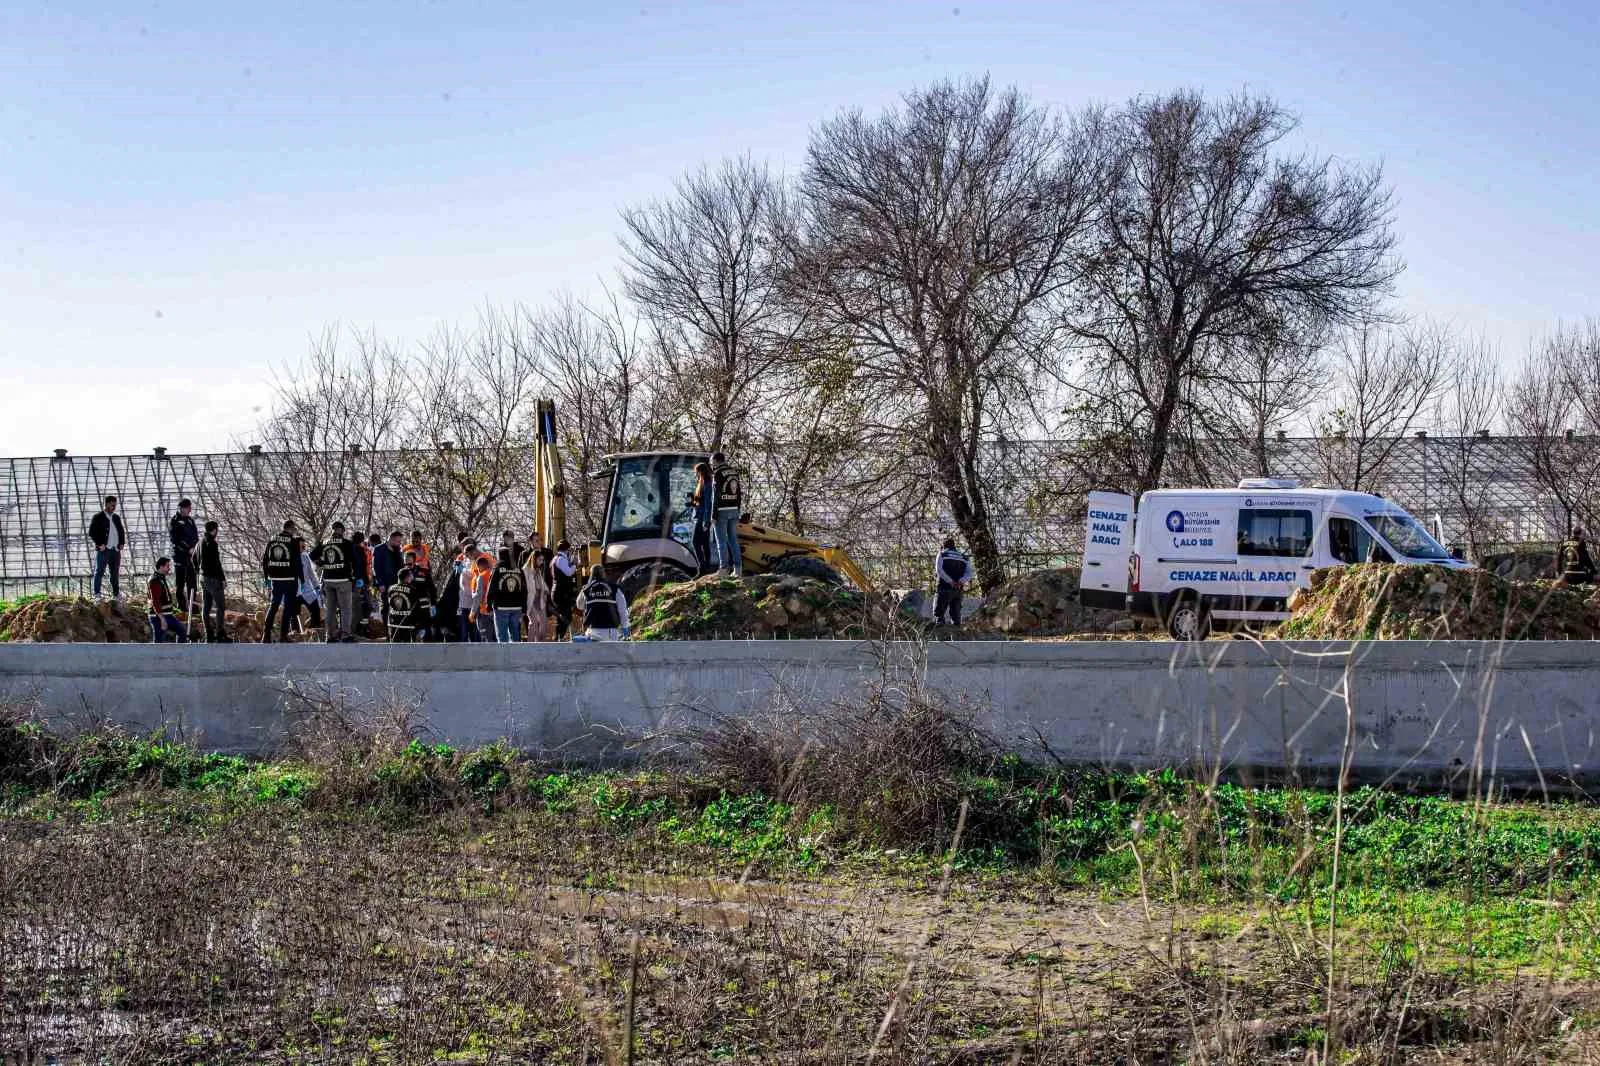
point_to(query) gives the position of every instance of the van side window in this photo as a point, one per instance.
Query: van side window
(1275, 532)
(1348, 542)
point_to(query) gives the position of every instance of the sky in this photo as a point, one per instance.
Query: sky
(190, 191)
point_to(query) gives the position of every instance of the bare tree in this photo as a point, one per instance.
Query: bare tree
(1386, 383)
(596, 364)
(700, 267)
(937, 241)
(1555, 405)
(473, 438)
(1266, 382)
(1209, 236)
(1471, 405)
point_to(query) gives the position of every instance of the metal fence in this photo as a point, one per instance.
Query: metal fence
(1036, 493)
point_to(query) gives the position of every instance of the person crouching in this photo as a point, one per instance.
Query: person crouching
(604, 607)
(164, 624)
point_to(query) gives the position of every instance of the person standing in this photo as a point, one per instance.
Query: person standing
(387, 561)
(310, 593)
(508, 590)
(535, 572)
(953, 572)
(730, 504)
(280, 565)
(109, 536)
(164, 624)
(482, 602)
(419, 547)
(423, 592)
(703, 505)
(361, 580)
(185, 538)
(214, 580)
(336, 558)
(401, 606)
(467, 599)
(604, 607)
(1577, 565)
(563, 588)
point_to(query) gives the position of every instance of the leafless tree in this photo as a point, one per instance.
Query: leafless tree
(1386, 383)
(1208, 236)
(1265, 383)
(1471, 405)
(596, 364)
(700, 267)
(1555, 405)
(937, 241)
(473, 437)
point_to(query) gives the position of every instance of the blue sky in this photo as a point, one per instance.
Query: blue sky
(191, 191)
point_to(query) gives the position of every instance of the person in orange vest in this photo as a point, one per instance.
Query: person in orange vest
(483, 609)
(419, 546)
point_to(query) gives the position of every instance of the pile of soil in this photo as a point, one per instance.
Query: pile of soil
(63, 620)
(1376, 601)
(762, 606)
(1522, 565)
(1043, 603)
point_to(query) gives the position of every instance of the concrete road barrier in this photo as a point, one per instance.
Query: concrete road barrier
(1523, 711)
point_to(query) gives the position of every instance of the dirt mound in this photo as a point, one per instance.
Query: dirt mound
(1376, 601)
(59, 620)
(767, 605)
(1522, 565)
(1043, 603)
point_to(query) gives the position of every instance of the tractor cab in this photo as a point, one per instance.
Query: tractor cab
(648, 532)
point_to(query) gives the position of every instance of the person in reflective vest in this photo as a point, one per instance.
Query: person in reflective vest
(164, 624)
(604, 607)
(336, 557)
(730, 502)
(280, 565)
(508, 591)
(1577, 565)
(953, 572)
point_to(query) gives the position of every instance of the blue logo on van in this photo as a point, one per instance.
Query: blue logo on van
(1175, 521)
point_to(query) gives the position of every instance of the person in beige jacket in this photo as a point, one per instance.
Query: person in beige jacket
(536, 569)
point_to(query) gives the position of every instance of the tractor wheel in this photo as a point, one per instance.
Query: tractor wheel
(641, 577)
(808, 566)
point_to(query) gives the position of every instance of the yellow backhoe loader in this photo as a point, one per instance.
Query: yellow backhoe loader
(646, 536)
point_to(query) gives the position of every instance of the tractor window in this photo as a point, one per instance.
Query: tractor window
(636, 504)
(680, 488)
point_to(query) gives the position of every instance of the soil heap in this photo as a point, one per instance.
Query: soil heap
(64, 620)
(1042, 603)
(1377, 601)
(762, 606)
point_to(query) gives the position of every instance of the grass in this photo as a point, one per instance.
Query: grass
(391, 899)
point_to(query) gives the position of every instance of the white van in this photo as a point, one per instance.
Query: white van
(1199, 559)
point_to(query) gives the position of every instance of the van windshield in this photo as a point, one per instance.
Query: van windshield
(1406, 536)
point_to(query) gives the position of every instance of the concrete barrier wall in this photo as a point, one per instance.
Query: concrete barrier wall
(1523, 710)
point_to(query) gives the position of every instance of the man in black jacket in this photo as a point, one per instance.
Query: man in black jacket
(280, 565)
(213, 582)
(185, 537)
(109, 537)
(336, 558)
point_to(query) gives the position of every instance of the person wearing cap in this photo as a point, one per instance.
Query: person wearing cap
(185, 538)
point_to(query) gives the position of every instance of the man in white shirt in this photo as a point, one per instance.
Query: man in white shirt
(109, 537)
(604, 607)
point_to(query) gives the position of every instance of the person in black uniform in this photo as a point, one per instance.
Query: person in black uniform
(185, 537)
(952, 571)
(214, 581)
(605, 608)
(401, 605)
(563, 588)
(1577, 565)
(729, 504)
(336, 559)
(280, 565)
(508, 592)
(424, 595)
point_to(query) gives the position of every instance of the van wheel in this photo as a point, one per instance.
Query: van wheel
(1188, 620)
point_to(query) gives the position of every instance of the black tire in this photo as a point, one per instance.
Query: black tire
(1188, 619)
(808, 566)
(641, 577)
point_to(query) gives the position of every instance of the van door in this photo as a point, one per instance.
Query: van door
(1107, 546)
(1275, 542)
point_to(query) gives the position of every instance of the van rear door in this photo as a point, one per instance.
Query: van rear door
(1107, 545)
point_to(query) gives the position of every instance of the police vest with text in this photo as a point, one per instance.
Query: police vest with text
(401, 604)
(730, 494)
(280, 558)
(508, 589)
(600, 606)
(334, 558)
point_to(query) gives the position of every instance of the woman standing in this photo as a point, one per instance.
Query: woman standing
(536, 569)
(704, 502)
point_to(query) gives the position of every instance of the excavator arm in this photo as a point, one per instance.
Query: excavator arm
(550, 487)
